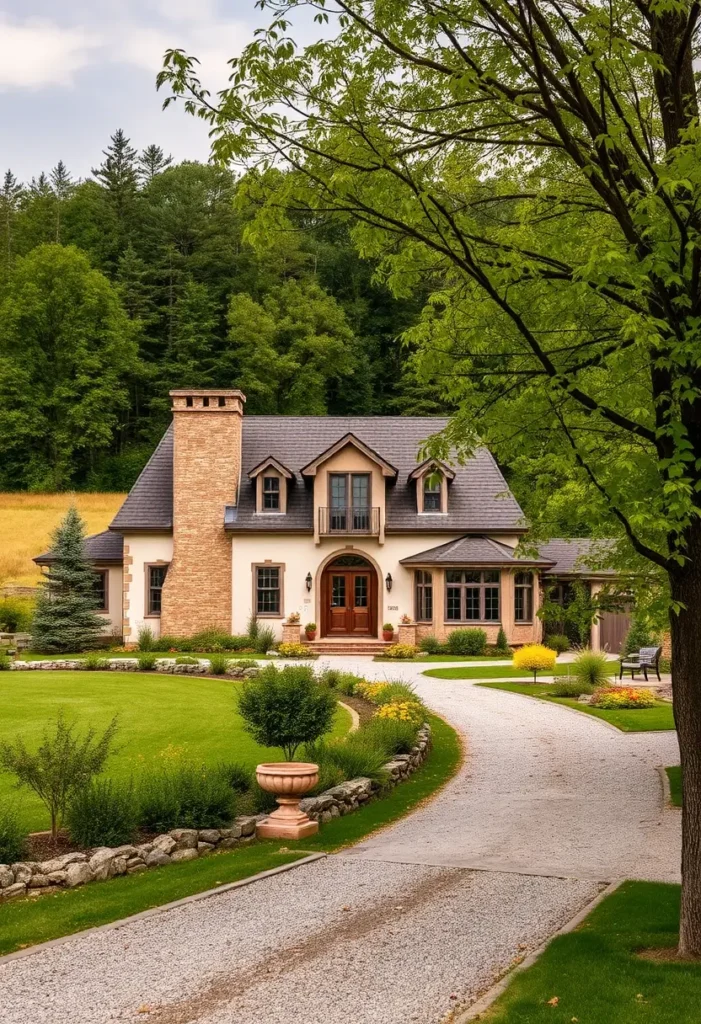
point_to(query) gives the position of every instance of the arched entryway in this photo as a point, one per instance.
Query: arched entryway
(349, 597)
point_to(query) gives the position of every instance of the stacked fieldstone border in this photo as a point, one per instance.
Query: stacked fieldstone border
(203, 666)
(74, 869)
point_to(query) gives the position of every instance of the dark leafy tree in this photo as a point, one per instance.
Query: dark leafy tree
(540, 163)
(286, 708)
(65, 618)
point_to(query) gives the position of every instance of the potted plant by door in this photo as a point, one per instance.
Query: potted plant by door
(310, 631)
(388, 631)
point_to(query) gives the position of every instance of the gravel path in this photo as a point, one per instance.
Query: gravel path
(419, 919)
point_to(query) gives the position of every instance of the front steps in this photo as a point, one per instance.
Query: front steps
(368, 646)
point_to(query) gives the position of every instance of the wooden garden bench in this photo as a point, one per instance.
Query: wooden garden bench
(641, 661)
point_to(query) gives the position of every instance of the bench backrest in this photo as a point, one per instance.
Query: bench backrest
(650, 654)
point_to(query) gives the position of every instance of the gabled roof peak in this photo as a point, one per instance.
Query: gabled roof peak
(445, 469)
(271, 462)
(350, 439)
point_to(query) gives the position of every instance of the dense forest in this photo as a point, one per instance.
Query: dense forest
(148, 276)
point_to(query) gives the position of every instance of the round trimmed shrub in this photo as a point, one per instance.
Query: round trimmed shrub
(558, 642)
(467, 641)
(286, 707)
(534, 658)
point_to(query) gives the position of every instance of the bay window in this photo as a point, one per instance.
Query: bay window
(472, 595)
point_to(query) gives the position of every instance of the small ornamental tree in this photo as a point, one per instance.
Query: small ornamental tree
(63, 764)
(286, 708)
(65, 618)
(535, 658)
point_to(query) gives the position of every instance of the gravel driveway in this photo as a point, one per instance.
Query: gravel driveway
(423, 917)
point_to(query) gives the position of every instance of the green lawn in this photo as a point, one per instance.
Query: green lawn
(28, 922)
(33, 656)
(495, 672)
(443, 657)
(674, 774)
(594, 976)
(626, 719)
(188, 715)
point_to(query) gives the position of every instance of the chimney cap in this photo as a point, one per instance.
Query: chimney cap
(207, 393)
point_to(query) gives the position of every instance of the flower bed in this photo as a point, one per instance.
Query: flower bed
(612, 697)
(193, 666)
(184, 844)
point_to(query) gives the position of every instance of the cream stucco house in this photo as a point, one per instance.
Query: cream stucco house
(335, 518)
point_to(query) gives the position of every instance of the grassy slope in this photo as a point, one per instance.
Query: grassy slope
(483, 672)
(159, 716)
(30, 921)
(28, 520)
(674, 774)
(442, 657)
(625, 719)
(595, 975)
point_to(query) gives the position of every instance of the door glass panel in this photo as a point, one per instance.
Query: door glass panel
(338, 491)
(338, 591)
(361, 591)
(360, 484)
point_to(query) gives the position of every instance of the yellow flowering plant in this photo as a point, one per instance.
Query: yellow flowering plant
(402, 711)
(535, 658)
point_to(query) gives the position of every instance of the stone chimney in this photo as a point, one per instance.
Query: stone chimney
(207, 428)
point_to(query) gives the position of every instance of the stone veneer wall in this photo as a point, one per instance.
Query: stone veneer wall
(206, 471)
(181, 844)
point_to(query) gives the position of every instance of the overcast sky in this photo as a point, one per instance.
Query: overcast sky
(71, 73)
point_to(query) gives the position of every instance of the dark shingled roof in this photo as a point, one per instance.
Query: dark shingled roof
(149, 504)
(479, 500)
(101, 547)
(472, 551)
(575, 557)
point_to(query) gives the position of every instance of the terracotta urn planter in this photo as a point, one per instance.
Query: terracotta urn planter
(310, 634)
(289, 781)
(387, 634)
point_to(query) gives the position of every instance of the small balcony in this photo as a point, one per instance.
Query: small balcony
(363, 519)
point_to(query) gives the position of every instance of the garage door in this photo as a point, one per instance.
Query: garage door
(614, 626)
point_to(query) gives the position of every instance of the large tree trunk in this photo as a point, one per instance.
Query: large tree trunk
(686, 679)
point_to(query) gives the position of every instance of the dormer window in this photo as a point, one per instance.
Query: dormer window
(271, 493)
(433, 492)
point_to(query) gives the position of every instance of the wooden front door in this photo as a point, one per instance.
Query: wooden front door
(349, 602)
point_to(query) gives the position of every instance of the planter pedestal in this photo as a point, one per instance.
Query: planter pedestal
(289, 781)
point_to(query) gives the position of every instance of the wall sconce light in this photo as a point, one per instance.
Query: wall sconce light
(308, 581)
(388, 581)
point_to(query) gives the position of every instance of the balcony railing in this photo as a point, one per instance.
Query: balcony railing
(357, 519)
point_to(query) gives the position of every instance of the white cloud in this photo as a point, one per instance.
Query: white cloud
(37, 53)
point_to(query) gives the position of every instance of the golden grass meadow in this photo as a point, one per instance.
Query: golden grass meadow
(28, 520)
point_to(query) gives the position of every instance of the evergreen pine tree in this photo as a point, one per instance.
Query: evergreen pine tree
(10, 198)
(152, 161)
(118, 174)
(502, 644)
(63, 187)
(65, 618)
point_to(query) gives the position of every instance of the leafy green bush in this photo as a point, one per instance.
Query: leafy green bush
(62, 764)
(4, 662)
(390, 735)
(146, 639)
(467, 641)
(103, 813)
(186, 796)
(185, 659)
(357, 755)
(93, 661)
(168, 643)
(147, 660)
(570, 687)
(239, 776)
(13, 838)
(16, 614)
(430, 644)
(285, 708)
(218, 664)
(342, 682)
(558, 642)
(265, 639)
(592, 667)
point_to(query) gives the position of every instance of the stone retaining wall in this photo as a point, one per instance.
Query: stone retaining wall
(74, 869)
(169, 665)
